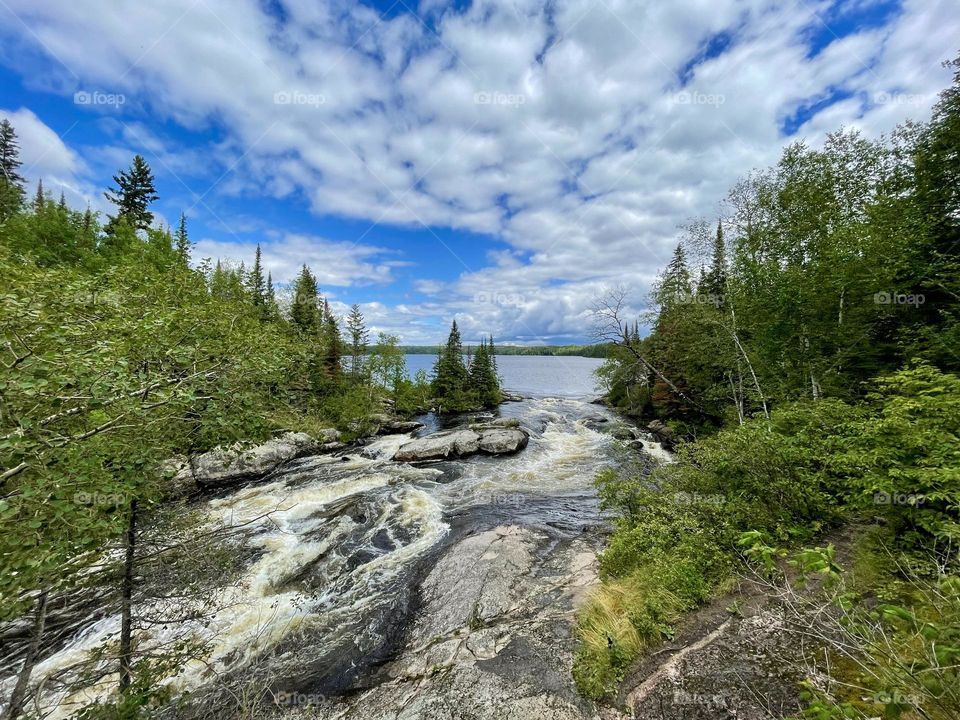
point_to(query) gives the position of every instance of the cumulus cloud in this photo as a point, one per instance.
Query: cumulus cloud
(580, 133)
(335, 264)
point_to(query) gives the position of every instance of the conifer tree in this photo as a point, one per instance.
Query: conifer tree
(715, 281)
(256, 282)
(39, 199)
(332, 342)
(133, 194)
(675, 283)
(305, 310)
(182, 241)
(11, 182)
(450, 374)
(359, 337)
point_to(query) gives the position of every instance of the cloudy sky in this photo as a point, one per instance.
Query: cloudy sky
(498, 161)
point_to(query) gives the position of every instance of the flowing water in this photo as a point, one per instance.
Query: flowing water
(338, 543)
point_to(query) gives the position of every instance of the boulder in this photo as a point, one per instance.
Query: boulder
(398, 427)
(500, 441)
(491, 439)
(224, 466)
(663, 434)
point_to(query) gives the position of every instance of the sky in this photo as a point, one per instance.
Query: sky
(500, 162)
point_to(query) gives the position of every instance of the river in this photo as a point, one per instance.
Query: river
(339, 547)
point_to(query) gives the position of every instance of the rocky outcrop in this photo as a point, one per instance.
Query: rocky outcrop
(662, 434)
(492, 638)
(225, 466)
(490, 439)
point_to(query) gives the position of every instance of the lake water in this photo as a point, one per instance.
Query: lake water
(534, 375)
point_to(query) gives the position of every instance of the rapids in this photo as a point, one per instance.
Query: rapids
(337, 545)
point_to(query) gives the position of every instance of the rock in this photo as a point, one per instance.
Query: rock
(398, 427)
(222, 467)
(502, 441)
(663, 434)
(506, 396)
(622, 432)
(490, 439)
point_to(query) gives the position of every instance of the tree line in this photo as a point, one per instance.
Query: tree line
(804, 350)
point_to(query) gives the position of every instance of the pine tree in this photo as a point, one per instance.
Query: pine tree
(11, 182)
(305, 310)
(675, 283)
(272, 310)
(359, 337)
(182, 241)
(62, 204)
(134, 192)
(450, 374)
(255, 281)
(492, 350)
(715, 281)
(39, 199)
(332, 343)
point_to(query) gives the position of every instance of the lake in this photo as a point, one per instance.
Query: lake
(534, 375)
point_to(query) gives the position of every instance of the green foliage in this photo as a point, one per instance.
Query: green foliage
(455, 388)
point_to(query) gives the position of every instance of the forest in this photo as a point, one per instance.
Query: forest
(804, 352)
(122, 355)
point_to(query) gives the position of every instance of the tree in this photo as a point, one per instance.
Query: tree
(715, 281)
(132, 195)
(305, 306)
(332, 343)
(182, 241)
(449, 372)
(39, 199)
(11, 182)
(256, 283)
(482, 380)
(359, 337)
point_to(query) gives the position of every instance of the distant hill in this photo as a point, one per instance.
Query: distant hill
(596, 351)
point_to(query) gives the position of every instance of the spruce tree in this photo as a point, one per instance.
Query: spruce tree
(182, 241)
(675, 283)
(272, 310)
(715, 281)
(11, 182)
(255, 281)
(133, 194)
(39, 199)
(450, 374)
(332, 342)
(305, 310)
(359, 337)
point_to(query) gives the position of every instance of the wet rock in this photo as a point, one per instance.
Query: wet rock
(398, 427)
(622, 432)
(663, 434)
(226, 466)
(500, 442)
(489, 439)
(507, 396)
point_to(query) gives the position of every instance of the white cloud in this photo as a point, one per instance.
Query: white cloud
(335, 264)
(563, 128)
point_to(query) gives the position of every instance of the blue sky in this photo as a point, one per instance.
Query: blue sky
(502, 162)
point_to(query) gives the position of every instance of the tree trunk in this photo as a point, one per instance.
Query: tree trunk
(126, 601)
(20, 689)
